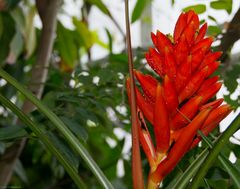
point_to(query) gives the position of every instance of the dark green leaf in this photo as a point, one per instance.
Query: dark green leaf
(64, 149)
(214, 30)
(12, 132)
(7, 30)
(230, 80)
(138, 9)
(100, 5)
(76, 128)
(222, 5)
(199, 8)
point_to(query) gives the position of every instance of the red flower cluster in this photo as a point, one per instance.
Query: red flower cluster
(181, 104)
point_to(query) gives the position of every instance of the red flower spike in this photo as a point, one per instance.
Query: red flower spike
(213, 104)
(170, 65)
(143, 105)
(161, 122)
(145, 140)
(197, 57)
(186, 113)
(180, 26)
(216, 116)
(170, 95)
(213, 120)
(210, 92)
(207, 83)
(183, 74)
(193, 85)
(154, 39)
(191, 29)
(203, 45)
(155, 60)
(190, 15)
(148, 84)
(181, 50)
(163, 43)
(178, 102)
(210, 58)
(201, 33)
(178, 150)
(212, 68)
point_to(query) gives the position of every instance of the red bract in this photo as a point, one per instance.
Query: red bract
(180, 104)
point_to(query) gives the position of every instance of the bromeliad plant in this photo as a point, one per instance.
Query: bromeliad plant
(180, 102)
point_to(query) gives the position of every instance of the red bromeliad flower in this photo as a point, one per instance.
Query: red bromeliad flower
(181, 104)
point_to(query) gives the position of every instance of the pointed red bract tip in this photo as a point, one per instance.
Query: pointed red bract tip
(148, 84)
(203, 45)
(201, 33)
(161, 122)
(193, 85)
(210, 92)
(180, 26)
(186, 113)
(145, 139)
(170, 95)
(213, 104)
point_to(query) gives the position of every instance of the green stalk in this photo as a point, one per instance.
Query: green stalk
(68, 135)
(215, 151)
(34, 127)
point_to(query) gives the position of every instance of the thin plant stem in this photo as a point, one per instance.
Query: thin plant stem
(137, 176)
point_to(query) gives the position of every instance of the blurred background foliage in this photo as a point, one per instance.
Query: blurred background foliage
(89, 94)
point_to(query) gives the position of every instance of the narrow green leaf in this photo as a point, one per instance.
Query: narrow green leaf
(100, 5)
(68, 135)
(185, 178)
(20, 171)
(138, 9)
(222, 5)
(48, 143)
(222, 140)
(233, 172)
(199, 8)
(12, 132)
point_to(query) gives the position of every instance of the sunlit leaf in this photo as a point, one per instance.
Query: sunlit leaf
(199, 8)
(222, 5)
(138, 9)
(100, 5)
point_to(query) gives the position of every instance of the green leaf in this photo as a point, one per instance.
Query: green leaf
(68, 135)
(7, 30)
(100, 5)
(76, 128)
(230, 80)
(233, 172)
(214, 30)
(20, 171)
(199, 8)
(184, 179)
(66, 46)
(16, 47)
(12, 132)
(222, 140)
(64, 149)
(222, 5)
(138, 9)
